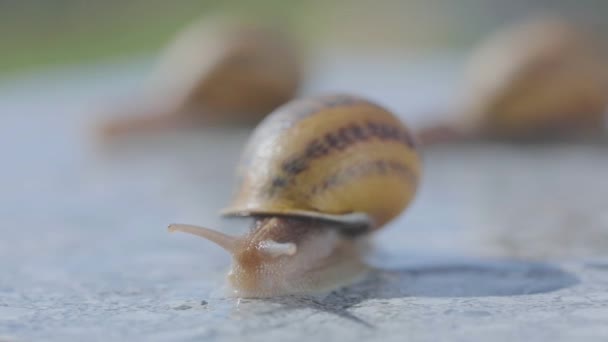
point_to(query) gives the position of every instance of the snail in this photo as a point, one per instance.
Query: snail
(544, 79)
(215, 71)
(318, 176)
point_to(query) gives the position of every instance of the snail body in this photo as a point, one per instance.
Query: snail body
(544, 79)
(216, 71)
(317, 177)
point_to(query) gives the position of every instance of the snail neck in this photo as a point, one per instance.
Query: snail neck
(284, 255)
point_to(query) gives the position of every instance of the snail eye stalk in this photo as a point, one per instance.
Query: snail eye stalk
(225, 241)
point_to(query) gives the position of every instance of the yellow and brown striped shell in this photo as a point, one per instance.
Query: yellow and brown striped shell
(328, 157)
(545, 77)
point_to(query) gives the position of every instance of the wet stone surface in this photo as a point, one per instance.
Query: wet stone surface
(503, 243)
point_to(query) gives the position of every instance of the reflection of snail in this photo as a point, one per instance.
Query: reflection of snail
(544, 79)
(317, 176)
(216, 71)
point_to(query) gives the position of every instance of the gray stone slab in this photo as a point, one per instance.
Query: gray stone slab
(503, 243)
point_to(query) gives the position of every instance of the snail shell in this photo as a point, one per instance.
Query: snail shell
(328, 156)
(317, 176)
(543, 79)
(216, 71)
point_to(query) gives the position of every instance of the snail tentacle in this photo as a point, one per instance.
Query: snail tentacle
(227, 242)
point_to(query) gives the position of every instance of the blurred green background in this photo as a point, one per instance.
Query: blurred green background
(42, 33)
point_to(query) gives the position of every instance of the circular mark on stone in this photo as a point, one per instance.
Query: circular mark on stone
(469, 313)
(182, 307)
(471, 279)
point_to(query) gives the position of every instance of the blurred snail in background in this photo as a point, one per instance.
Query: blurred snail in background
(215, 71)
(317, 176)
(544, 79)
